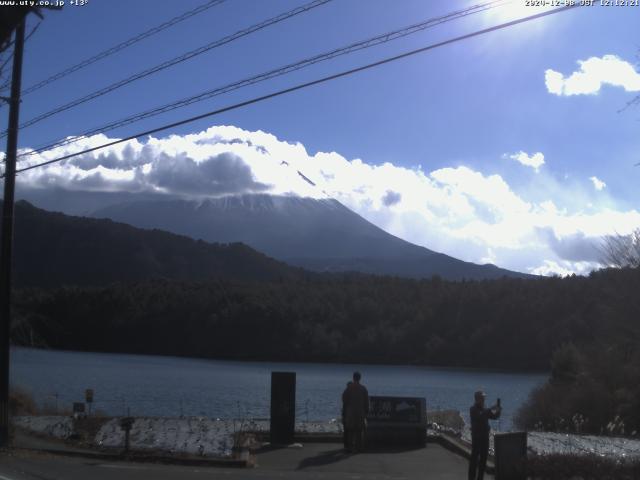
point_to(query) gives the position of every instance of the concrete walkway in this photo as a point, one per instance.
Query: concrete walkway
(328, 460)
(313, 461)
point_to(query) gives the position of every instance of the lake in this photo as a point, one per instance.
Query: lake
(144, 385)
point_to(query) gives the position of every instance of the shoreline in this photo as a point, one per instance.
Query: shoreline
(285, 362)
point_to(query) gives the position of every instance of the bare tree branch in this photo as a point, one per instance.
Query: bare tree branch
(620, 251)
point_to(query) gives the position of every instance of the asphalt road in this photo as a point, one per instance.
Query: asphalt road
(312, 461)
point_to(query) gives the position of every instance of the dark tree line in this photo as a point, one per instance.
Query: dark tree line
(508, 323)
(595, 386)
(53, 249)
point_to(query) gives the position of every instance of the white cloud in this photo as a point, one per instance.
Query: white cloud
(458, 211)
(563, 268)
(593, 74)
(534, 161)
(554, 81)
(597, 183)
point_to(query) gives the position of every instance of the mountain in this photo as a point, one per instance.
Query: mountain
(53, 249)
(321, 235)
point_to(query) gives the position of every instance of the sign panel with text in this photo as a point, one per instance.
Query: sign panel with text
(397, 420)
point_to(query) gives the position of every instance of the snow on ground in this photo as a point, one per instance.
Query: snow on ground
(546, 442)
(214, 437)
(549, 442)
(192, 435)
(196, 435)
(53, 426)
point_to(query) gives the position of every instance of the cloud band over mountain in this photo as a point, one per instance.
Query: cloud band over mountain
(459, 211)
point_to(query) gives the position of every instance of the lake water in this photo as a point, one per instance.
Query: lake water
(169, 386)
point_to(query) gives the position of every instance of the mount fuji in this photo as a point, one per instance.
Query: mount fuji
(316, 234)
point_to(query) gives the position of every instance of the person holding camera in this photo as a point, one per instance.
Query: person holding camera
(480, 428)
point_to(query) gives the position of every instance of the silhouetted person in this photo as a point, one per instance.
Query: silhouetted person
(355, 402)
(345, 432)
(480, 434)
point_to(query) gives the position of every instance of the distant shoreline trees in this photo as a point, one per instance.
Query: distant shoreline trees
(595, 385)
(511, 324)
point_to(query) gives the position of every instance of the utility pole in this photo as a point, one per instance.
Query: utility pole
(7, 232)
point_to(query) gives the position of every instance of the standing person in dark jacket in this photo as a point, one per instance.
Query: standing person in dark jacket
(480, 428)
(355, 402)
(345, 430)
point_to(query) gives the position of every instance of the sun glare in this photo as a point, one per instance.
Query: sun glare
(514, 9)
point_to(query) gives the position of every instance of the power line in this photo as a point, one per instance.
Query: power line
(304, 85)
(361, 45)
(176, 60)
(121, 46)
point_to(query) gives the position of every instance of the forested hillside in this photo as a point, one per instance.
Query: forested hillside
(508, 323)
(53, 249)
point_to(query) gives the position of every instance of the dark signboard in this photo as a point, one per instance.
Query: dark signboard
(511, 455)
(397, 420)
(397, 409)
(88, 395)
(78, 407)
(283, 407)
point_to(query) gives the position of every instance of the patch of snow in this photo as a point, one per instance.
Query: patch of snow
(194, 435)
(53, 426)
(548, 442)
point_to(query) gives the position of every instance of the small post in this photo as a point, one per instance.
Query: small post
(88, 397)
(126, 423)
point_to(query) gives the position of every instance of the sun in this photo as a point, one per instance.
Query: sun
(508, 10)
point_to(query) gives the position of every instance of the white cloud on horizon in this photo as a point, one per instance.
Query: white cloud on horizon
(597, 183)
(593, 74)
(458, 211)
(563, 268)
(534, 161)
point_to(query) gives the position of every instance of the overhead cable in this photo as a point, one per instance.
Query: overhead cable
(121, 46)
(174, 61)
(361, 45)
(302, 86)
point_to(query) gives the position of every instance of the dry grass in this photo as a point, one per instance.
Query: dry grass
(21, 402)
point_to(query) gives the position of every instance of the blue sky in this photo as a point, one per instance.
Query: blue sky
(461, 118)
